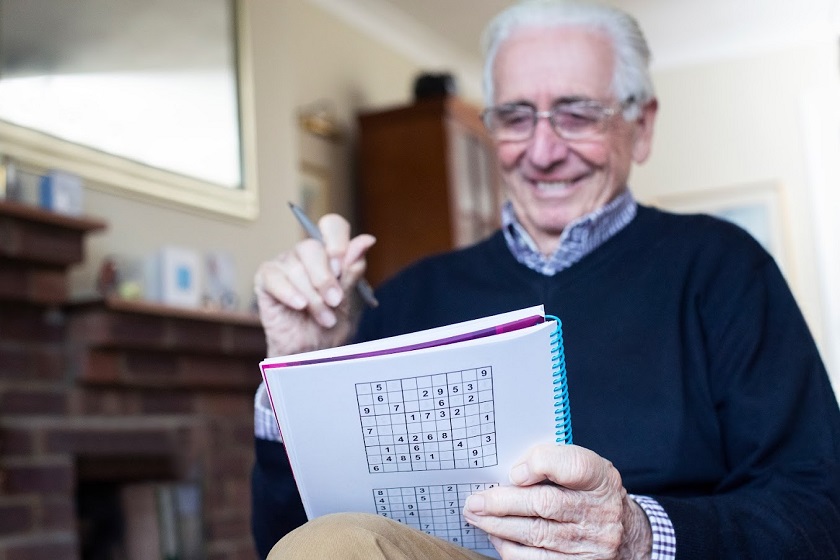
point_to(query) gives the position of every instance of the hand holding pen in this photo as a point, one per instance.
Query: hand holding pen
(364, 289)
(302, 293)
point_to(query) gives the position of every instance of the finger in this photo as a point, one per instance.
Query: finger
(335, 231)
(276, 293)
(512, 549)
(568, 537)
(570, 466)
(558, 482)
(589, 536)
(546, 501)
(569, 549)
(357, 248)
(309, 275)
(272, 286)
(316, 273)
(354, 259)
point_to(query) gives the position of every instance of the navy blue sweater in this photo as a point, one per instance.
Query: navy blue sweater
(690, 367)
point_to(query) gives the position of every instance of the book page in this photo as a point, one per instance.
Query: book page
(411, 435)
(407, 341)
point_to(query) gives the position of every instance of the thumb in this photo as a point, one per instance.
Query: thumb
(570, 466)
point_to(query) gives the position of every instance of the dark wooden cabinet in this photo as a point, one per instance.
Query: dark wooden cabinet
(428, 182)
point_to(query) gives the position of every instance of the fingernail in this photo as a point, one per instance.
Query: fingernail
(298, 302)
(475, 503)
(519, 473)
(334, 296)
(327, 319)
(335, 265)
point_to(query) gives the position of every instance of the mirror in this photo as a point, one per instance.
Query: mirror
(148, 98)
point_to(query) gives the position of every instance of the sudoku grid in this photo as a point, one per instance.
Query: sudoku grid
(432, 422)
(434, 509)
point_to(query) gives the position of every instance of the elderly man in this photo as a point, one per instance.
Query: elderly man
(704, 420)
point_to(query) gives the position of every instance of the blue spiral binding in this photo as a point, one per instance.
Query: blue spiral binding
(562, 416)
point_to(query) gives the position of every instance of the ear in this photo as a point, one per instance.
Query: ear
(643, 135)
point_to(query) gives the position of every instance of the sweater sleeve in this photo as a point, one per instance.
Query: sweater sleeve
(779, 422)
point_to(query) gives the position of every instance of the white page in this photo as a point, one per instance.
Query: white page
(412, 338)
(324, 426)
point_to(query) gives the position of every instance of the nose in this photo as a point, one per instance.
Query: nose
(547, 148)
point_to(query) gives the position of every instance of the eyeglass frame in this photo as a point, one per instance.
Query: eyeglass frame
(606, 113)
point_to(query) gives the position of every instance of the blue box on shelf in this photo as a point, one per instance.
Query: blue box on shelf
(61, 192)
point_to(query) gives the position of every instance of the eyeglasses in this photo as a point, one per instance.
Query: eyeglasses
(582, 119)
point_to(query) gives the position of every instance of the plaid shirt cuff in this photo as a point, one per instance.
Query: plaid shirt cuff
(664, 538)
(265, 424)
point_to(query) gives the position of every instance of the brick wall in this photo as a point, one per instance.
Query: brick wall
(113, 392)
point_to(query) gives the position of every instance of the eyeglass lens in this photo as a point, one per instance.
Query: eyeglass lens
(571, 121)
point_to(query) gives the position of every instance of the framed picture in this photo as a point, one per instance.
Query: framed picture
(314, 192)
(755, 207)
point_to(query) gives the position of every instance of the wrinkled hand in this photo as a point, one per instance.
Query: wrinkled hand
(565, 502)
(304, 294)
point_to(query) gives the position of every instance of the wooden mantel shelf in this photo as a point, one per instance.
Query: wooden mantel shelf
(160, 310)
(35, 214)
(141, 344)
(37, 247)
(42, 238)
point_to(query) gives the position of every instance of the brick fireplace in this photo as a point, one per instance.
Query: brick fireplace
(102, 394)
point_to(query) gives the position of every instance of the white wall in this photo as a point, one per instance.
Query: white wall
(300, 54)
(736, 122)
(722, 124)
(821, 126)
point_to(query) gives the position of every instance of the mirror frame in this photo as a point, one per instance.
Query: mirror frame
(116, 175)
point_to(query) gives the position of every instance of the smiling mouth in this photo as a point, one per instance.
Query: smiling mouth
(557, 186)
(553, 185)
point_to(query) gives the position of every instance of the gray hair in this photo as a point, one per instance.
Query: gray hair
(631, 78)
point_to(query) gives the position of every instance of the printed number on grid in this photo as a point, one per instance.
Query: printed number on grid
(434, 509)
(432, 422)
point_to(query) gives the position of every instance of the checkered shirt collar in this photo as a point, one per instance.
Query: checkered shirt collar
(580, 238)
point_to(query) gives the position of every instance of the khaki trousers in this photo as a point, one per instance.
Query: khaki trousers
(364, 536)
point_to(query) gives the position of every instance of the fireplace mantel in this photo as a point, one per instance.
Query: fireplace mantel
(100, 393)
(137, 344)
(36, 249)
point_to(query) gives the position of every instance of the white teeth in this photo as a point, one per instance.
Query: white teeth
(555, 185)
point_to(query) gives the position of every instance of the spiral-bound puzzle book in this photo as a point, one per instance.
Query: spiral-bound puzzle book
(407, 427)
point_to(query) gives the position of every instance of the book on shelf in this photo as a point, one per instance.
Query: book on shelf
(162, 520)
(408, 426)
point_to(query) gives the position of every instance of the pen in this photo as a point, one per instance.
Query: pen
(312, 230)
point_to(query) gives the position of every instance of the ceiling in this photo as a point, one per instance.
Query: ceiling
(679, 31)
(432, 32)
(439, 35)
